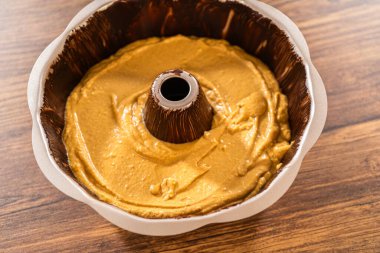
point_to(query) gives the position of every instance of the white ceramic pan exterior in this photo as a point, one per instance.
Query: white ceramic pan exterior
(176, 226)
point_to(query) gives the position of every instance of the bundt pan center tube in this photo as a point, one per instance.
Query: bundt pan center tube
(103, 27)
(177, 110)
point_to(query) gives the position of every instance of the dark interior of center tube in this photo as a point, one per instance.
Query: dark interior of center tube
(175, 89)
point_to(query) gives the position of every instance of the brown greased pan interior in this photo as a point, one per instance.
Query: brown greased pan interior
(123, 22)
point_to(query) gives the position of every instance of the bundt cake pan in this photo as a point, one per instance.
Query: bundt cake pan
(104, 26)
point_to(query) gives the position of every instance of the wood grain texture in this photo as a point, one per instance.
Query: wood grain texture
(334, 204)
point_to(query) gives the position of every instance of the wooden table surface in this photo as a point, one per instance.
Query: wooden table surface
(334, 204)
